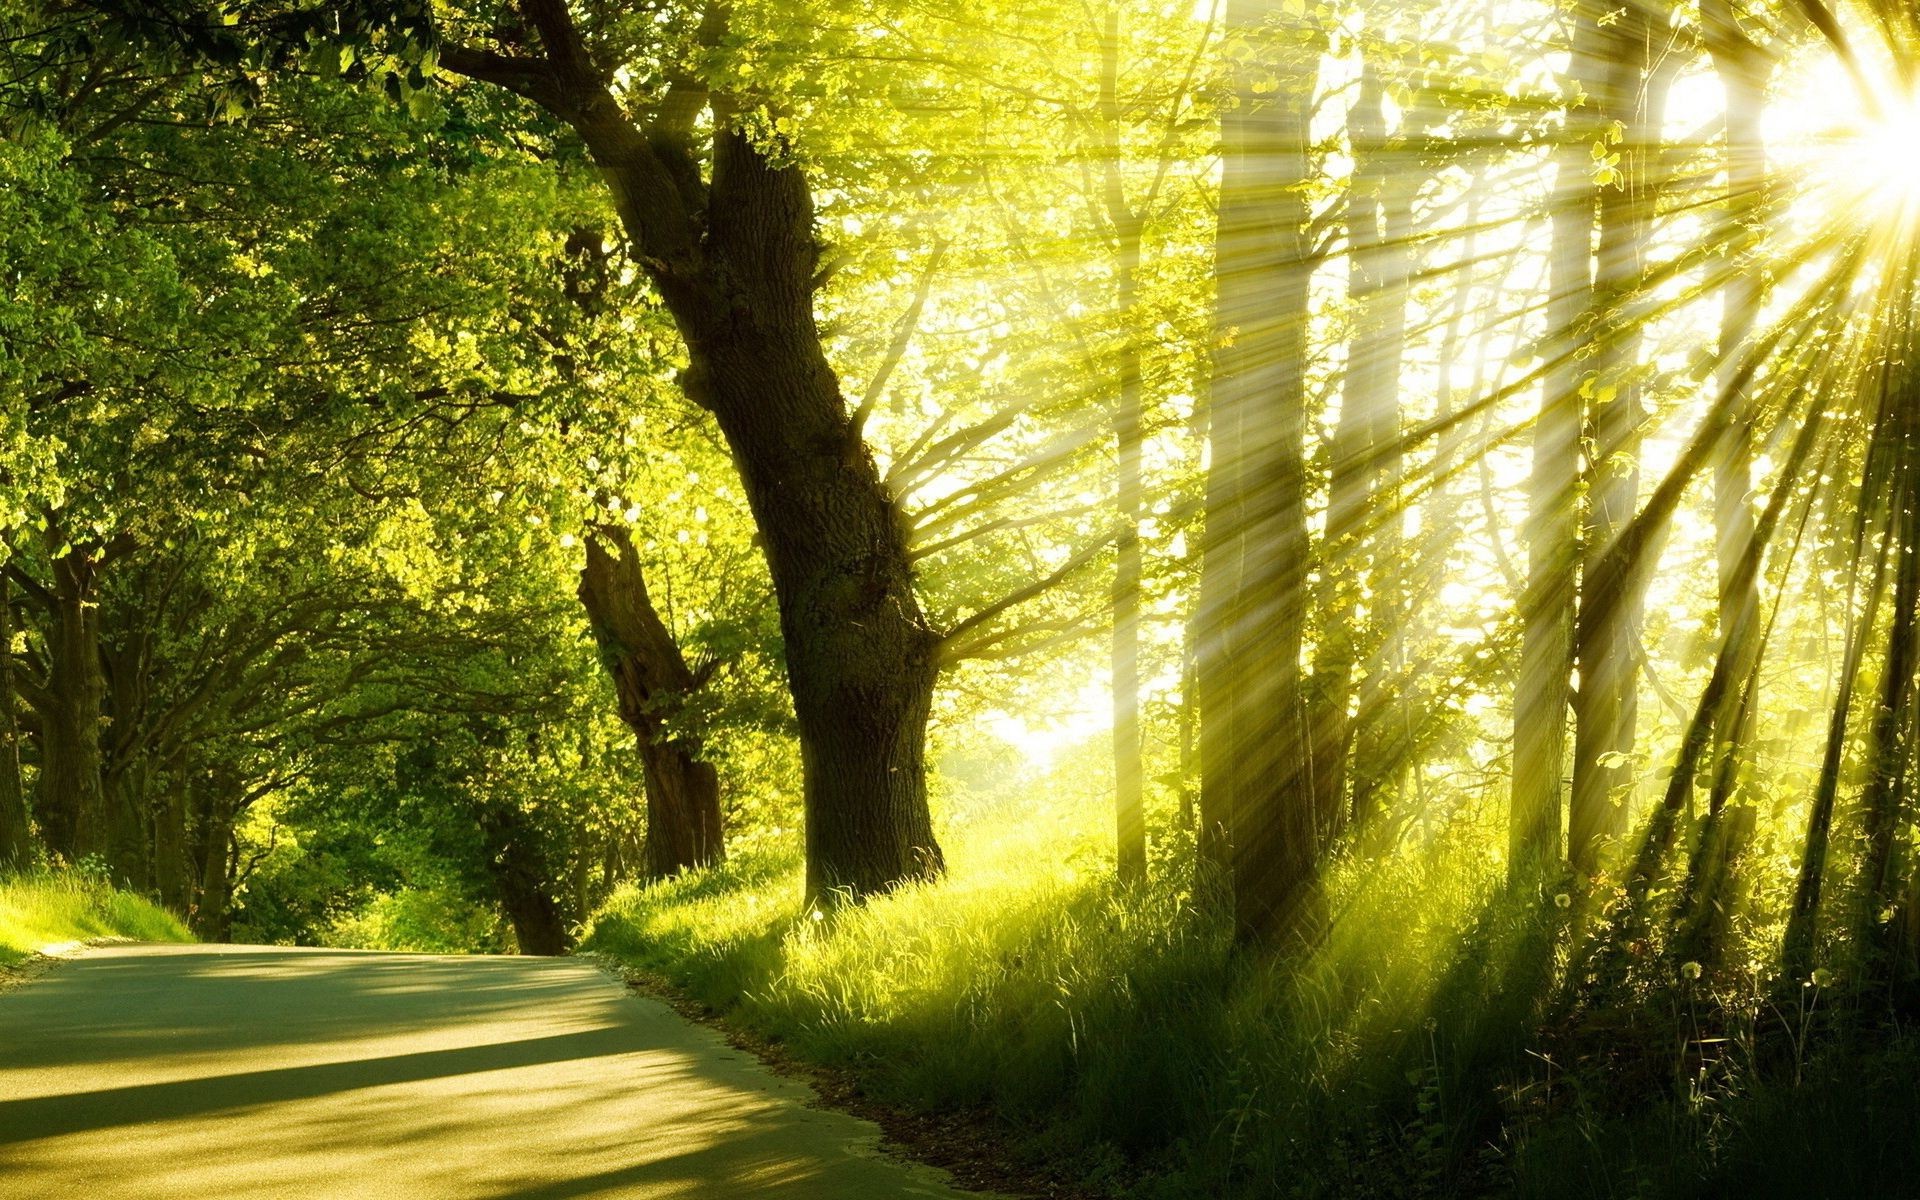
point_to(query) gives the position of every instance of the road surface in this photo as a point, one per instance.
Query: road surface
(137, 1072)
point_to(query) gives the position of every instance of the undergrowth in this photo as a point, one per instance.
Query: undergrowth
(1113, 1033)
(1113, 1028)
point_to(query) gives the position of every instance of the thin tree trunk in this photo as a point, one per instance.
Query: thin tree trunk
(1874, 512)
(1543, 690)
(212, 916)
(1606, 706)
(1891, 740)
(16, 831)
(172, 857)
(654, 686)
(1361, 546)
(1130, 824)
(70, 757)
(1743, 69)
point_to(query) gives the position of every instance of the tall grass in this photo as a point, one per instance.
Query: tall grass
(1112, 1029)
(47, 908)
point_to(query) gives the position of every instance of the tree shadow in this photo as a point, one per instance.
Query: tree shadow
(242, 1072)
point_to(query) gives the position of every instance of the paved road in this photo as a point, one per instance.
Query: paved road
(141, 1072)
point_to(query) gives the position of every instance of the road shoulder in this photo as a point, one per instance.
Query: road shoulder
(968, 1147)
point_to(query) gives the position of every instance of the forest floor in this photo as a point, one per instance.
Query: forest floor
(224, 1071)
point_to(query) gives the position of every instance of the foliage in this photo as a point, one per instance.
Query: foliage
(1556, 450)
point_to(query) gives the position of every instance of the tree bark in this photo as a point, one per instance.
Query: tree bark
(733, 259)
(1361, 544)
(1891, 736)
(1130, 822)
(72, 791)
(654, 685)
(212, 917)
(1256, 775)
(16, 831)
(1544, 687)
(1743, 68)
(524, 883)
(1606, 707)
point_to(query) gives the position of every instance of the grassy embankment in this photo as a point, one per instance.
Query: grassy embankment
(1114, 1036)
(46, 909)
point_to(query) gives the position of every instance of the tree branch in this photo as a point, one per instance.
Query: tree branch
(1020, 596)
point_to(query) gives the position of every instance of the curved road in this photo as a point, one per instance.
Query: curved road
(211, 1072)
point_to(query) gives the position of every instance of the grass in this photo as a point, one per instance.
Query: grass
(1424, 1050)
(1112, 1029)
(43, 909)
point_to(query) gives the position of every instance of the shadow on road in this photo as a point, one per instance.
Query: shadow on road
(254, 1072)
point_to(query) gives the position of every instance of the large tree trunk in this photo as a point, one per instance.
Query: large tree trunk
(16, 833)
(734, 260)
(72, 792)
(653, 684)
(1256, 776)
(861, 657)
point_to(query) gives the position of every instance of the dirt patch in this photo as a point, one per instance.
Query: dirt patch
(969, 1146)
(22, 973)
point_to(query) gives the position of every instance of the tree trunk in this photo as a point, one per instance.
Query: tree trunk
(1130, 824)
(1606, 707)
(70, 756)
(16, 832)
(653, 685)
(524, 883)
(861, 658)
(1362, 536)
(1256, 777)
(172, 856)
(1891, 740)
(1743, 69)
(1543, 690)
(212, 917)
(734, 258)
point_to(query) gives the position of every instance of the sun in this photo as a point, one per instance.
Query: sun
(1853, 142)
(1880, 156)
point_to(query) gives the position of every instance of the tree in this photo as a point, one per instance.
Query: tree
(733, 254)
(16, 831)
(1257, 806)
(1607, 59)
(654, 684)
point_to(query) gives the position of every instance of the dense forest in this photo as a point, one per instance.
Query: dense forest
(1273, 597)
